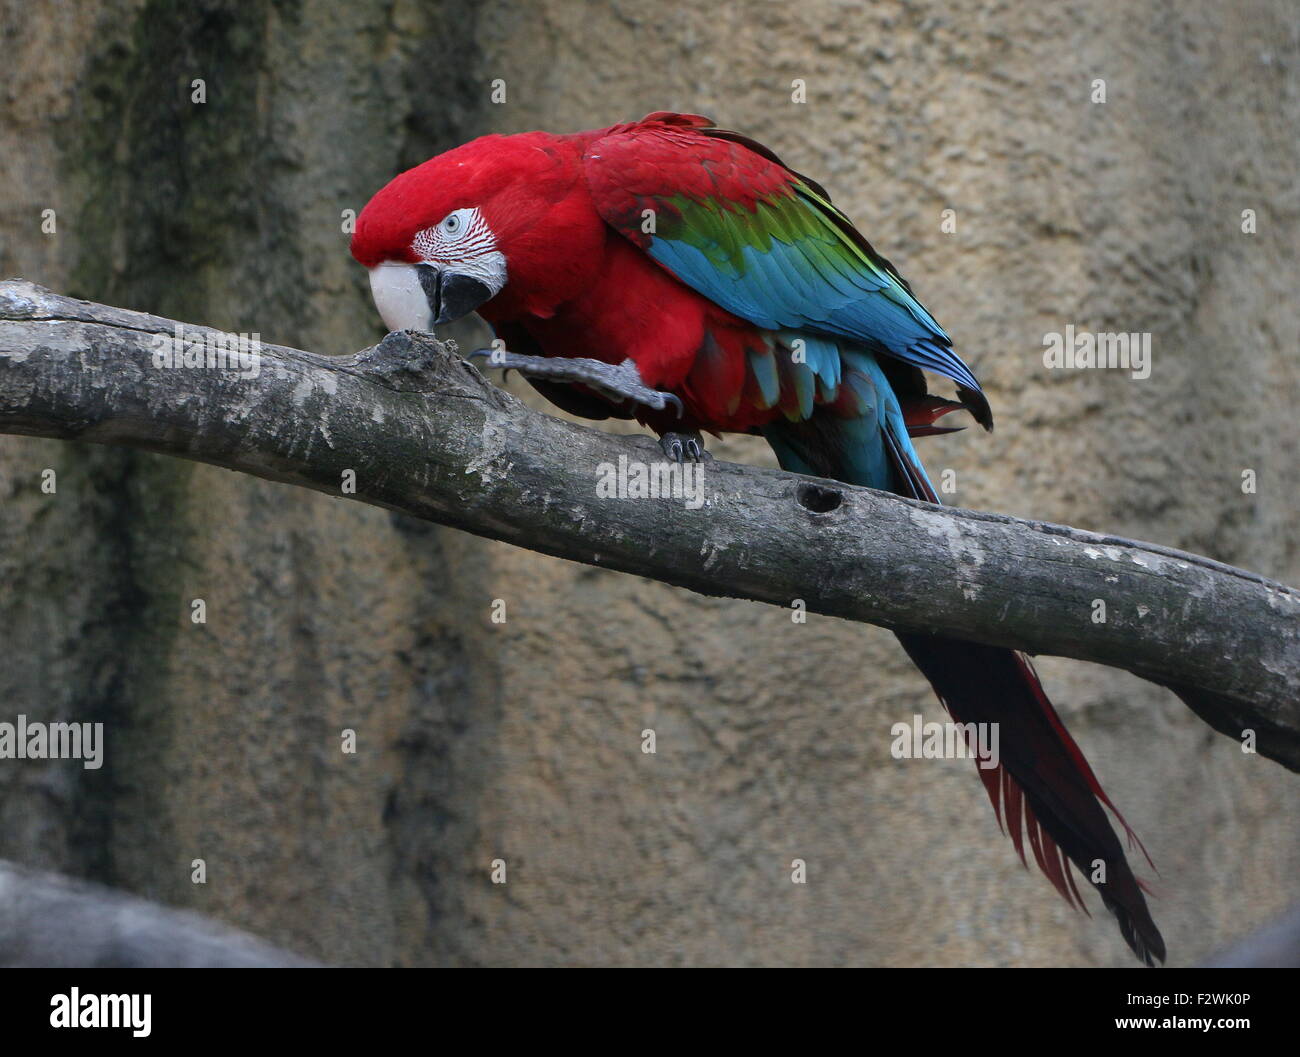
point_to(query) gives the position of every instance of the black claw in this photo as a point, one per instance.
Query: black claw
(681, 446)
(488, 354)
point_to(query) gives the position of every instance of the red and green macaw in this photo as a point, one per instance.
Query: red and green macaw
(683, 275)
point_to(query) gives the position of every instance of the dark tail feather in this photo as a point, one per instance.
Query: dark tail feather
(1042, 788)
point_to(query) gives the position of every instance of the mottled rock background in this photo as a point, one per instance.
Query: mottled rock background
(521, 741)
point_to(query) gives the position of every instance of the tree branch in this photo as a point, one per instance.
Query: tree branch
(425, 434)
(48, 921)
(1275, 946)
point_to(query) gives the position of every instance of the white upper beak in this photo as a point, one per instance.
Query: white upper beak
(399, 297)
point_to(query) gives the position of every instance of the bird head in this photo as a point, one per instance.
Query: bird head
(449, 236)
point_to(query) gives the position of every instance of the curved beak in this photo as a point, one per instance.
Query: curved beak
(450, 294)
(417, 296)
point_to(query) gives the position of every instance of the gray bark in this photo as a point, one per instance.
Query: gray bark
(52, 922)
(1275, 946)
(425, 434)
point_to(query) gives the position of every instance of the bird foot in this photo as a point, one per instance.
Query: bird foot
(617, 382)
(682, 446)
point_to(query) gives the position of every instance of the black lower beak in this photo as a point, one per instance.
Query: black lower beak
(450, 295)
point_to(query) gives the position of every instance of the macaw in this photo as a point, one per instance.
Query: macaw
(683, 275)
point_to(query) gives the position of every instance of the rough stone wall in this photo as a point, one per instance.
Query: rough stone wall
(521, 740)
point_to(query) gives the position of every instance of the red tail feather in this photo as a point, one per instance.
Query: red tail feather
(921, 414)
(1042, 787)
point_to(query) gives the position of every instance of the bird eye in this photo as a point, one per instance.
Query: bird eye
(452, 224)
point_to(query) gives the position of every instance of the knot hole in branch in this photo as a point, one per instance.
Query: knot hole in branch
(818, 498)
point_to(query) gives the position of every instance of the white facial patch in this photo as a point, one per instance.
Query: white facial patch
(463, 243)
(399, 297)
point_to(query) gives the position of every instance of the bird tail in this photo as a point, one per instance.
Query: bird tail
(1042, 789)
